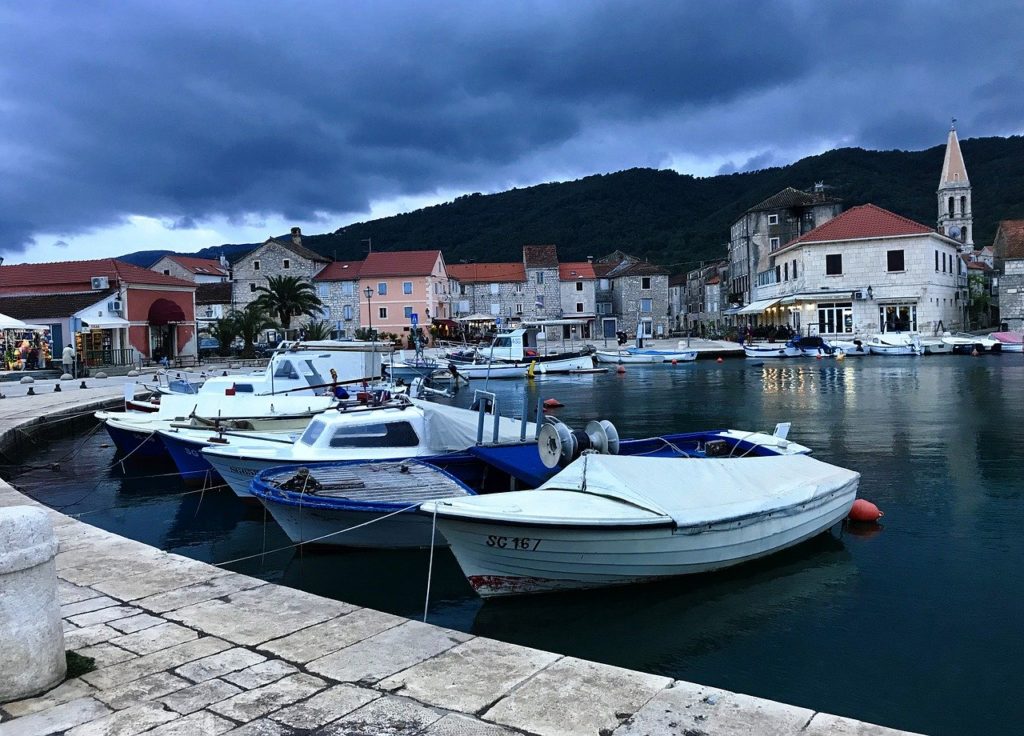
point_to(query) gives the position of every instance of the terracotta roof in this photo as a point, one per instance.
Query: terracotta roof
(487, 273)
(340, 271)
(399, 263)
(1011, 232)
(75, 276)
(678, 280)
(58, 306)
(576, 270)
(540, 256)
(714, 280)
(214, 293)
(203, 266)
(637, 268)
(866, 221)
(973, 265)
(790, 197)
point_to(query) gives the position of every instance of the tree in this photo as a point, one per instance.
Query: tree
(287, 297)
(319, 329)
(225, 330)
(250, 322)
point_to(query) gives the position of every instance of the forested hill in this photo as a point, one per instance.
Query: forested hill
(676, 219)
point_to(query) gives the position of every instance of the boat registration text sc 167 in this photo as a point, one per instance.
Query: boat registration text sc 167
(523, 543)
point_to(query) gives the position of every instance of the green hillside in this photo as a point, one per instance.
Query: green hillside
(675, 219)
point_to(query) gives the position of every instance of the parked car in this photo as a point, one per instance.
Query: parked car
(208, 346)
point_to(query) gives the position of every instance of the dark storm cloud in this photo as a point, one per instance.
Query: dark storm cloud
(189, 110)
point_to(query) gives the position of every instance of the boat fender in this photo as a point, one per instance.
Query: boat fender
(552, 404)
(863, 510)
(621, 369)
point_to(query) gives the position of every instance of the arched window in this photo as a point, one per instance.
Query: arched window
(963, 205)
(951, 201)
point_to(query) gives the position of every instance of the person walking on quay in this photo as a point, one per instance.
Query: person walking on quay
(68, 359)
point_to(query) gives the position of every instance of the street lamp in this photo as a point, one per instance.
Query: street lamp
(368, 291)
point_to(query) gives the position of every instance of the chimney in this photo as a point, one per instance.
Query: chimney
(590, 259)
(297, 236)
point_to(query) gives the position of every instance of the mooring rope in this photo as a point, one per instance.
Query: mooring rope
(430, 564)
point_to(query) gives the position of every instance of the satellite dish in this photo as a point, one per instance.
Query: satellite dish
(555, 444)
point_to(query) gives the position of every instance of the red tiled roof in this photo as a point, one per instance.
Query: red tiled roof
(540, 256)
(577, 270)
(713, 280)
(41, 306)
(487, 273)
(865, 221)
(75, 276)
(1012, 234)
(399, 263)
(678, 280)
(208, 266)
(340, 271)
(978, 266)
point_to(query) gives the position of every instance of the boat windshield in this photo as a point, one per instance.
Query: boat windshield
(285, 369)
(391, 434)
(313, 431)
(311, 374)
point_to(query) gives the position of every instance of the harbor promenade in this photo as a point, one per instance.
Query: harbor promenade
(182, 647)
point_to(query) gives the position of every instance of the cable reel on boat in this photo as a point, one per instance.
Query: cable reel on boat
(559, 445)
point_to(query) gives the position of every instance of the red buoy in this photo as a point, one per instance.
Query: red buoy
(864, 511)
(673, 361)
(621, 369)
(552, 403)
(719, 359)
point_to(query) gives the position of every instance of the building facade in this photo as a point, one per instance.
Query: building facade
(638, 294)
(956, 216)
(1009, 266)
(403, 284)
(765, 228)
(866, 271)
(337, 285)
(190, 268)
(275, 257)
(497, 290)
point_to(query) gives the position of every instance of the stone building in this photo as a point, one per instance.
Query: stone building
(578, 298)
(956, 217)
(190, 268)
(677, 302)
(495, 289)
(543, 295)
(702, 296)
(337, 285)
(765, 228)
(1009, 264)
(866, 271)
(275, 257)
(638, 293)
(213, 301)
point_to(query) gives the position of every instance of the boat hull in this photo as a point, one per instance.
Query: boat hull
(773, 351)
(135, 444)
(505, 559)
(404, 530)
(626, 357)
(497, 370)
(189, 459)
(238, 472)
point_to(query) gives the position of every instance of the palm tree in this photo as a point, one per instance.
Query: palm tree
(287, 297)
(319, 329)
(250, 322)
(225, 330)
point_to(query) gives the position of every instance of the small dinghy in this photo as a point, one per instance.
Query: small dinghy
(634, 355)
(611, 520)
(1012, 342)
(358, 504)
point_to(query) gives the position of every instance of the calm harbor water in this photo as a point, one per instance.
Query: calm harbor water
(915, 624)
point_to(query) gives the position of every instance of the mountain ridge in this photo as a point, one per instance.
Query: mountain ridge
(670, 218)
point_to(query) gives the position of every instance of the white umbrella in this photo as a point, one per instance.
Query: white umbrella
(9, 323)
(477, 318)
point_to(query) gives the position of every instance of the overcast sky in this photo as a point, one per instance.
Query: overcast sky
(128, 125)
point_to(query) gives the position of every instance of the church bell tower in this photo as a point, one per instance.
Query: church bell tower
(956, 218)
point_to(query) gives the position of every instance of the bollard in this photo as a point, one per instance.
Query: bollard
(31, 391)
(31, 635)
(56, 388)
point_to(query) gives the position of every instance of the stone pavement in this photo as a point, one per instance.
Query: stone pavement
(182, 647)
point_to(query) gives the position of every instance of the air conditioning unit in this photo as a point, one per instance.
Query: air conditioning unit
(115, 306)
(860, 294)
(100, 282)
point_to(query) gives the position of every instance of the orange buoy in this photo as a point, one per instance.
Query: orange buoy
(552, 403)
(719, 359)
(974, 352)
(621, 369)
(864, 511)
(818, 356)
(674, 361)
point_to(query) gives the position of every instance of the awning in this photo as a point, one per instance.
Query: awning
(731, 311)
(758, 306)
(106, 323)
(449, 323)
(819, 296)
(165, 312)
(479, 318)
(10, 323)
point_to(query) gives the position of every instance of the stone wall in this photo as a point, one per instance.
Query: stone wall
(271, 257)
(337, 295)
(629, 292)
(1011, 294)
(172, 268)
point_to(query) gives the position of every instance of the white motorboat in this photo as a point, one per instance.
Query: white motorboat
(612, 520)
(492, 370)
(634, 355)
(895, 343)
(1013, 342)
(405, 429)
(764, 350)
(522, 347)
(851, 348)
(935, 346)
(965, 344)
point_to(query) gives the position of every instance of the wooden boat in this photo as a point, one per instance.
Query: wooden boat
(764, 350)
(634, 355)
(895, 343)
(612, 520)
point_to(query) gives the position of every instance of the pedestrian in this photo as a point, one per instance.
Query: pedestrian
(68, 359)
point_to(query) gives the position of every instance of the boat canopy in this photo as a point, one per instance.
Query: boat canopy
(759, 306)
(448, 428)
(706, 490)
